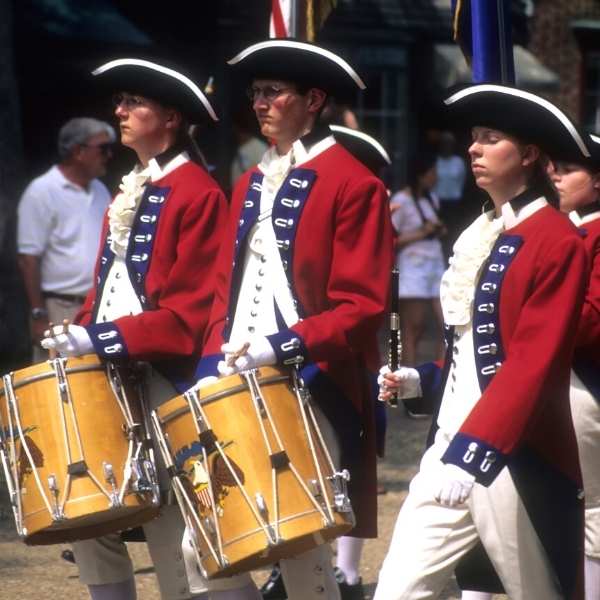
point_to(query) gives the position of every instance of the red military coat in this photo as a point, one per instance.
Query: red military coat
(171, 263)
(526, 308)
(331, 218)
(587, 353)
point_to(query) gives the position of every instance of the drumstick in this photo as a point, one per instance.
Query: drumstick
(235, 355)
(50, 332)
(65, 325)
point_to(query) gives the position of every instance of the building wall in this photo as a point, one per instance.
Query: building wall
(555, 43)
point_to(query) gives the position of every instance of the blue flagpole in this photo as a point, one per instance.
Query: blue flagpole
(492, 51)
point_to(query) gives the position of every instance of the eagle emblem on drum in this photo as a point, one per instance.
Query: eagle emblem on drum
(24, 467)
(216, 474)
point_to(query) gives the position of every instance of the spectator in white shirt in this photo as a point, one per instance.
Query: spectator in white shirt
(59, 223)
(419, 257)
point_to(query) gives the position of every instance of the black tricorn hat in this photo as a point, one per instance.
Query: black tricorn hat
(528, 117)
(163, 84)
(362, 146)
(301, 63)
(594, 145)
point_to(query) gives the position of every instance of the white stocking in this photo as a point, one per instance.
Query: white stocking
(471, 595)
(592, 578)
(349, 550)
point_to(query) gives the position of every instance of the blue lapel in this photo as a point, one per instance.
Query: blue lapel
(489, 353)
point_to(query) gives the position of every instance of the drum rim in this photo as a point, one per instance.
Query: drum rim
(240, 387)
(50, 374)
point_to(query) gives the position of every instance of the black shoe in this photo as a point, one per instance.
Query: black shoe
(349, 591)
(68, 556)
(274, 588)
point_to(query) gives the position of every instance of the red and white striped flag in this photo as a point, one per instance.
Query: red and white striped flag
(281, 14)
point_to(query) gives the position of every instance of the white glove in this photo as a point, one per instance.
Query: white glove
(406, 382)
(74, 343)
(455, 486)
(241, 356)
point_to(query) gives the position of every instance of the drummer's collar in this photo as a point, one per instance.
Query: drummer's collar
(167, 161)
(588, 209)
(311, 144)
(522, 206)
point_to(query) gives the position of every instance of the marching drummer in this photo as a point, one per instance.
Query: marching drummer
(153, 287)
(303, 271)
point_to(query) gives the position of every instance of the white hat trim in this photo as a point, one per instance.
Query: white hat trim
(365, 137)
(137, 62)
(527, 96)
(300, 46)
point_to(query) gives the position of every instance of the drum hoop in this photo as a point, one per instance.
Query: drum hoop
(52, 374)
(242, 387)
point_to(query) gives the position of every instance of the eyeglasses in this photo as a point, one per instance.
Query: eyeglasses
(128, 101)
(104, 149)
(268, 92)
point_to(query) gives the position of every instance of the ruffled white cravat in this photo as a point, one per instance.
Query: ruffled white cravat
(123, 208)
(457, 288)
(275, 167)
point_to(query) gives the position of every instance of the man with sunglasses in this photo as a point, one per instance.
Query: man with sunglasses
(60, 220)
(303, 272)
(153, 290)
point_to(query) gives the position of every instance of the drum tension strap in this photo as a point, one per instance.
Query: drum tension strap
(77, 468)
(279, 460)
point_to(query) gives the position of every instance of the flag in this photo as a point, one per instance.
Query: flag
(300, 19)
(281, 16)
(482, 28)
(317, 12)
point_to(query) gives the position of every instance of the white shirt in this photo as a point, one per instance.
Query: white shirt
(406, 218)
(61, 223)
(451, 174)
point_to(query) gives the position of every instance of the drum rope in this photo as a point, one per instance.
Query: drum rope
(64, 391)
(178, 488)
(116, 384)
(65, 388)
(328, 458)
(146, 419)
(261, 522)
(297, 387)
(199, 418)
(114, 377)
(14, 478)
(291, 465)
(24, 446)
(258, 401)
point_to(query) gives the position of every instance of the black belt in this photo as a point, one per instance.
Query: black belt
(65, 297)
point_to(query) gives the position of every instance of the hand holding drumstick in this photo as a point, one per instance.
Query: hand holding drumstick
(67, 340)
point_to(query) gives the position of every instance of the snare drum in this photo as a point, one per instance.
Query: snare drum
(74, 451)
(251, 472)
